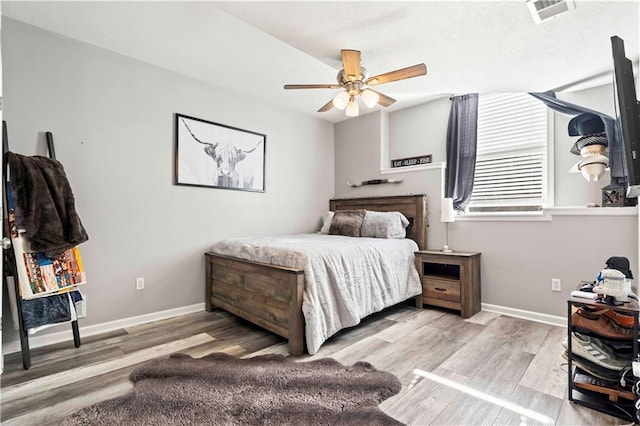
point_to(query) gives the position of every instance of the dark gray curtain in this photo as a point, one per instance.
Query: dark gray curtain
(611, 128)
(462, 133)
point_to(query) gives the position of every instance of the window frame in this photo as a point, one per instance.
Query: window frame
(548, 183)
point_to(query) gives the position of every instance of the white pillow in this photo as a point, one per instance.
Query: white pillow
(384, 225)
(326, 222)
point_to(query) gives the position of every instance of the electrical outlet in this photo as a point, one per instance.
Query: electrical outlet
(139, 283)
(556, 284)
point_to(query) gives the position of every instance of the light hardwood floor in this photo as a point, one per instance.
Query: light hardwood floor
(489, 369)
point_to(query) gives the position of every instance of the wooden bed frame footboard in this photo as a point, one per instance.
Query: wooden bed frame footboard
(269, 296)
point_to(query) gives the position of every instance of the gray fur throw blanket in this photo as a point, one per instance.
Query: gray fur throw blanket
(264, 390)
(45, 205)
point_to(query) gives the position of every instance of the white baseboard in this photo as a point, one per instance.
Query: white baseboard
(36, 341)
(529, 315)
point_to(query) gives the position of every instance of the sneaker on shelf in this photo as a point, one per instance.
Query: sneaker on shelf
(599, 325)
(594, 369)
(592, 349)
(624, 348)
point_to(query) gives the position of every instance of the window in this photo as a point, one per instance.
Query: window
(511, 162)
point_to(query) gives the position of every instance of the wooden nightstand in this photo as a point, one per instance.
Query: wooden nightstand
(450, 280)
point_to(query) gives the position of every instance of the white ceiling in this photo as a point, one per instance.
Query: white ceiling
(257, 47)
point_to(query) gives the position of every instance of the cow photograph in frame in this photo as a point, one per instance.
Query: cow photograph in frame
(215, 155)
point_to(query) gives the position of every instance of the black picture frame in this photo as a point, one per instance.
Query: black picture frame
(214, 155)
(613, 197)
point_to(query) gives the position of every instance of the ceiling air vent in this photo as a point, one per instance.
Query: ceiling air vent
(541, 10)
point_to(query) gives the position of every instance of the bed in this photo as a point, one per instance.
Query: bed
(271, 295)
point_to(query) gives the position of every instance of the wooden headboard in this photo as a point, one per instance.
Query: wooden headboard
(414, 207)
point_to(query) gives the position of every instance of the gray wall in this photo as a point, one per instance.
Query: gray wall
(412, 131)
(357, 158)
(112, 118)
(571, 189)
(519, 257)
(422, 129)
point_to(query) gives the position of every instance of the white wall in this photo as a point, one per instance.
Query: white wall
(519, 257)
(112, 119)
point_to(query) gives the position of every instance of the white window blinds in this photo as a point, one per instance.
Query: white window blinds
(511, 163)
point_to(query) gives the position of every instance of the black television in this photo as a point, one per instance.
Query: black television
(628, 113)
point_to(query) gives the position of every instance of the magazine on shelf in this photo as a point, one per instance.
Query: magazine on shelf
(39, 275)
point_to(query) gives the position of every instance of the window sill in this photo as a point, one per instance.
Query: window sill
(593, 211)
(547, 214)
(504, 217)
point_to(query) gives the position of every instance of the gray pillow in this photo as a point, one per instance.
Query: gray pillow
(384, 225)
(347, 222)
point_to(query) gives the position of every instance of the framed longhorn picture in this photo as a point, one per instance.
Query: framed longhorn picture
(215, 155)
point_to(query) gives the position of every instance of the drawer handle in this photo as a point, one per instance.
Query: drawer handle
(440, 289)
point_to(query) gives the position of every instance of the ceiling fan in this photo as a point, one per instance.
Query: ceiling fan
(355, 81)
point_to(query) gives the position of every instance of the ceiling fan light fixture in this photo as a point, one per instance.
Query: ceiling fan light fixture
(341, 100)
(355, 81)
(352, 108)
(370, 98)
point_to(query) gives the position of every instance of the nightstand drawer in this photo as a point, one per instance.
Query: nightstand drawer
(441, 289)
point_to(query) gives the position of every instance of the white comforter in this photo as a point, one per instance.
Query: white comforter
(346, 278)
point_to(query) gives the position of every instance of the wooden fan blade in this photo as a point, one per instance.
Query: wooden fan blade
(327, 106)
(312, 86)
(383, 100)
(401, 74)
(351, 64)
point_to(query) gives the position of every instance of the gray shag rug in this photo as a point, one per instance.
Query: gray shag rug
(264, 390)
